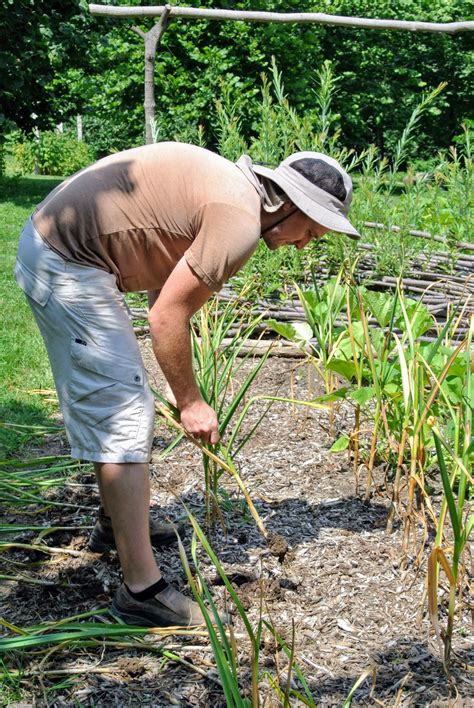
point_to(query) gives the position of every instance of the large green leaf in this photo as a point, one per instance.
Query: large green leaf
(454, 388)
(336, 395)
(341, 444)
(344, 346)
(392, 390)
(380, 305)
(419, 317)
(362, 395)
(298, 332)
(342, 367)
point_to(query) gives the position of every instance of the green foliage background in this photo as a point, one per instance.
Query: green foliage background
(58, 61)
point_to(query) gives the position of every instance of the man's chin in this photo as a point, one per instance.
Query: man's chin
(269, 243)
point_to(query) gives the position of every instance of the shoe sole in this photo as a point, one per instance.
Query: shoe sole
(140, 620)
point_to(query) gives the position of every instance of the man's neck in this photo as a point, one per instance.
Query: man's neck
(268, 220)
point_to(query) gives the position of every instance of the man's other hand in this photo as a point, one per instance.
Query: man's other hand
(200, 421)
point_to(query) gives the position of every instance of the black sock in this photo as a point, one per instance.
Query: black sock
(149, 592)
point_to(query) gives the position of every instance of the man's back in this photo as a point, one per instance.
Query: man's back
(136, 213)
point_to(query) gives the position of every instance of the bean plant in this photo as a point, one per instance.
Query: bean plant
(413, 404)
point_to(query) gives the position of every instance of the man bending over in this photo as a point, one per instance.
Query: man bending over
(178, 221)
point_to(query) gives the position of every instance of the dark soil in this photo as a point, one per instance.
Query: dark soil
(328, 574)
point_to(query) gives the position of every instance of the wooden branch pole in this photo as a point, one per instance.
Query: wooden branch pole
(152, 39)
(464, 245)
(298, 17)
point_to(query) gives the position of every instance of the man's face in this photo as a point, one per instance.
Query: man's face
(297, 230)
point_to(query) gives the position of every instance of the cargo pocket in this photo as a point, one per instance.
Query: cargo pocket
(33, 286)
(105, 393)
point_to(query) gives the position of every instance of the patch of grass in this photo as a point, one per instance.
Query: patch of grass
(23, 361)
(10, 689)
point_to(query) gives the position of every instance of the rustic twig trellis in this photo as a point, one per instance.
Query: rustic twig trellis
(152, 39)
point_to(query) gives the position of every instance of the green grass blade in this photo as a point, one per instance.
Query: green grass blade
(231, 659)
(365, 674)
(281, 642)
(235, 599)
(73, 634)
(453, 512)
(241, 393)
(229, 684)
(433, 349)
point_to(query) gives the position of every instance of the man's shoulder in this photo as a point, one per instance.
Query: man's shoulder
(214, 178)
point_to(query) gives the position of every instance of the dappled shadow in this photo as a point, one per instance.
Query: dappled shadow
(87, 582)
(302, 520)
(296, 519)
(65, 206)
(404, 668)
(407, 666)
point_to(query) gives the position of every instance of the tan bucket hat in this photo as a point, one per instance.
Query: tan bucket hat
(320, 205)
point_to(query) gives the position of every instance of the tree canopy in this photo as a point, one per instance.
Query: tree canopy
(41, 40)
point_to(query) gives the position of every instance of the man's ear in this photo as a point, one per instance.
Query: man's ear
(287, 206)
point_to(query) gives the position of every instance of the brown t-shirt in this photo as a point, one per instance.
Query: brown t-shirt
(136, 213)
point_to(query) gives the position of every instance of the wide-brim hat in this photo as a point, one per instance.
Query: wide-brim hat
(320, 205)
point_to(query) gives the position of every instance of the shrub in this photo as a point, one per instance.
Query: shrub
(52, 153)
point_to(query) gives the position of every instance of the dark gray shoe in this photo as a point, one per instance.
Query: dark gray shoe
(102, 536)
(168, 608)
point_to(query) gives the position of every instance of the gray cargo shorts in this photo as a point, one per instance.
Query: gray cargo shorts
(98, 371)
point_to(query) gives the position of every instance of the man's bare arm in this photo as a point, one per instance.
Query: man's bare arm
(181, 296)
(168, 393)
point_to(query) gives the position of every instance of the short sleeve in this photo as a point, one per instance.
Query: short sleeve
(226, 238)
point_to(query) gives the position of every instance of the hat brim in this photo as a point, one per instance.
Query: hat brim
(315, 211)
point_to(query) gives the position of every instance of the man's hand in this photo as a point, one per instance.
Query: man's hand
(200, 421)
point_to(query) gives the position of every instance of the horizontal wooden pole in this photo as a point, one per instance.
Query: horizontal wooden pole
(296, 17)
(421, 234)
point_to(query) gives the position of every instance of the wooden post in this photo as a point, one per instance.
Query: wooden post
(152, 39)
(79, 132)
(36, 133)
